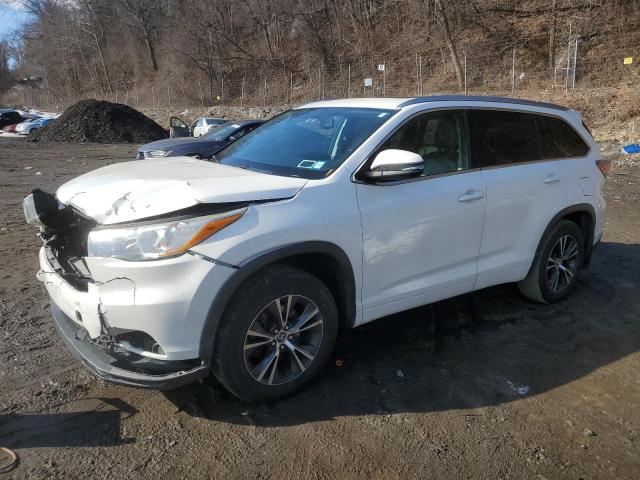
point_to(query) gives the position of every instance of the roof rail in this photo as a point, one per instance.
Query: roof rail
(480, 98)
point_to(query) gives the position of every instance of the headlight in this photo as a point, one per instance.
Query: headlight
(159, 153)
(157, 240)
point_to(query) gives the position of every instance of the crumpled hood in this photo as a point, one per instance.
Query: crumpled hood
(129, 191)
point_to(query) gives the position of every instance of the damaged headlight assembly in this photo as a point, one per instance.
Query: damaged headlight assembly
(155, 241)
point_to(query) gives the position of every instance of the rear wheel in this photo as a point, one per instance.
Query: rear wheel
(276, 334)
(556, 266)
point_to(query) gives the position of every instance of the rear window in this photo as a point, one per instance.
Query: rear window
(559, 140)
(503, 137)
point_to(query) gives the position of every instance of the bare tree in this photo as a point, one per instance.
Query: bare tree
(552, 33)
(100, 47)
(146, 18)
(265, 16)
(5, 73)
(89, 22)
(446, 31)
(201, 43)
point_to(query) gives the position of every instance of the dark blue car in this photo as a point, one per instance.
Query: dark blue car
(203, 146)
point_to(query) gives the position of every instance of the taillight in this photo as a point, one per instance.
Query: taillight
(604, 166)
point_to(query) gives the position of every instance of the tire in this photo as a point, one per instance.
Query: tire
(268, 365)
(542, 284)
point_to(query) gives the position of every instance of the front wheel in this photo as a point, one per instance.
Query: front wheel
(556, 266)
(275, 336)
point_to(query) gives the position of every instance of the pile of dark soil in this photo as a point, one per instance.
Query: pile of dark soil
(101, 122)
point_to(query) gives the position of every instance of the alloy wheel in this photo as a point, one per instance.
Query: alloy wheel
(283, 340)
(562, 263)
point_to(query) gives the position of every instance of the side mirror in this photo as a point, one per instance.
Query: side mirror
(392, 165)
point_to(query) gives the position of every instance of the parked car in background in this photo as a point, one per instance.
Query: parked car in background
(203, 146)
(23, 124)
(10, 128)
(9, 117)
(28, 127)
(200, 126)
(329, 216)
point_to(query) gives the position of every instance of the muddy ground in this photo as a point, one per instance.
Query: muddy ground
(492, 386)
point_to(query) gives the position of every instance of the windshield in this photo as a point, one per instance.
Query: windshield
(215, 121)
(221, 133)
(306, 143)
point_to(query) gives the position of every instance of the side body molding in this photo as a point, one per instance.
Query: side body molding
(345, 276)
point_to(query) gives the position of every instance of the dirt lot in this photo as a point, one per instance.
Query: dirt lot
(493, 386)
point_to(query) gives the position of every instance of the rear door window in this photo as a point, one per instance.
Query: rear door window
(558, 139)
(502, 137)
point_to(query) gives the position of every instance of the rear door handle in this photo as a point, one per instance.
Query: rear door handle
(551, 178)
(470, 196)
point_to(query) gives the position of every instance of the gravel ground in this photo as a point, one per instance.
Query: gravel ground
(485, 385)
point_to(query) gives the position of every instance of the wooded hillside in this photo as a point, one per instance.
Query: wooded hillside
(279, 51)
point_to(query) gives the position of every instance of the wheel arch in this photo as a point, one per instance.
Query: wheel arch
(582, 214)
(325, 260)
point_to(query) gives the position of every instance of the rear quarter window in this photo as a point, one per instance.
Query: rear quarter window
(502, 137)
(559, 140)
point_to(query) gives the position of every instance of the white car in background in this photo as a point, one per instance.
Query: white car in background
(29, 126)
(205, 124)
(329, 216)
(200, 126)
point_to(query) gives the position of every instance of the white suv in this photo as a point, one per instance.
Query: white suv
(328, 216)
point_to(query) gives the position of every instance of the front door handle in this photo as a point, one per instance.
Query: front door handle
(470, 196)
(551, 178)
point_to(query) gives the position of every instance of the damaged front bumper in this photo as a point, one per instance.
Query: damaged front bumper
(137, 324)
(118, 367)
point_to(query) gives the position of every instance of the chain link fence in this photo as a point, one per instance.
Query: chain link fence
(485, 68)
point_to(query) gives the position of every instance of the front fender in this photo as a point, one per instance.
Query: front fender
(263, 259)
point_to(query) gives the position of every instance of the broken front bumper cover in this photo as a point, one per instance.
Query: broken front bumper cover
(119, 367)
